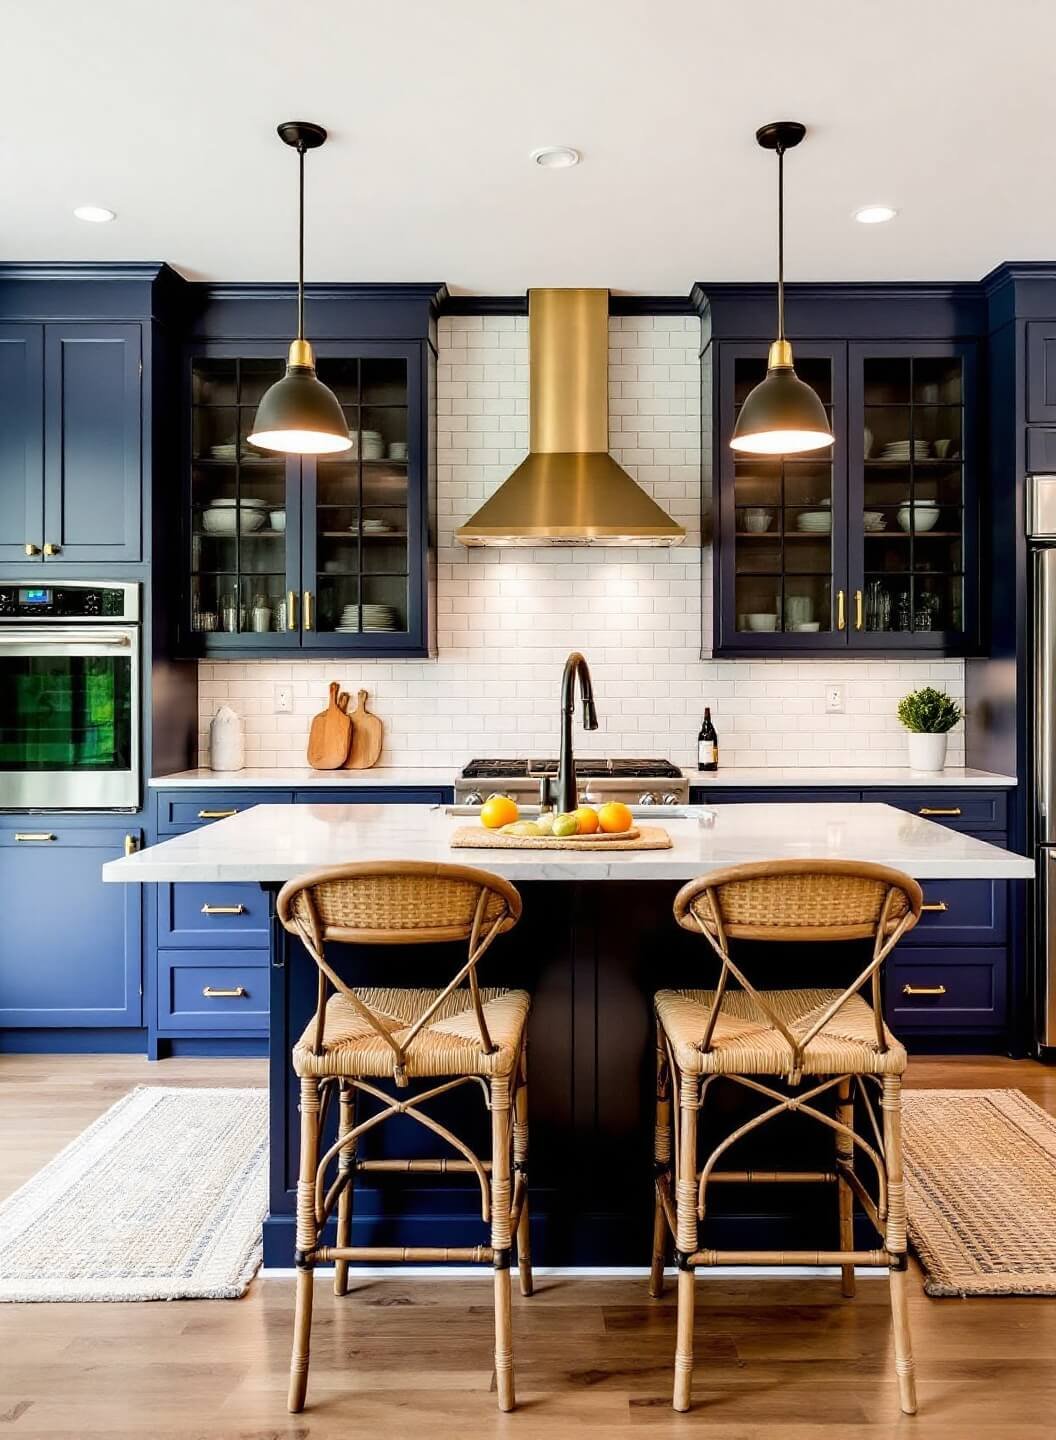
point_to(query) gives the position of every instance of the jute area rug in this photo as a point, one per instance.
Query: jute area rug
(981, 1189)
(161, 1199)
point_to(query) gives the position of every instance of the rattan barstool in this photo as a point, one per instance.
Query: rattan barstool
(460, 1035)
(740, 1033)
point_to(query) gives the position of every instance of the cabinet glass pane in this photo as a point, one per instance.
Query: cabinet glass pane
(783, 541)
(361, 580)
(913, 520)
(238, 503)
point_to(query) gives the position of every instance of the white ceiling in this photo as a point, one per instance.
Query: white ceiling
(166, 113)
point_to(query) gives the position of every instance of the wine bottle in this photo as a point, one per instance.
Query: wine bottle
(707, 744)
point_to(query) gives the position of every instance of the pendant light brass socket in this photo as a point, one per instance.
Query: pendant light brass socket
(301, 354)
(780, 357)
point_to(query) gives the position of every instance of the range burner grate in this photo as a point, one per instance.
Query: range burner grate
(587, 768)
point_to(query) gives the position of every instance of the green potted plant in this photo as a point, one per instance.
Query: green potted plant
(928, 715)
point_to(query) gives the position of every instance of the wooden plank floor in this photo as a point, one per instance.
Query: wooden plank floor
(781, 1359)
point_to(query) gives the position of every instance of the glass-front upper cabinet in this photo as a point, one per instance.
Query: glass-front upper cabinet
(356, 566)
(243, 578)
(782, 562)
(326, 553)
(913, 534)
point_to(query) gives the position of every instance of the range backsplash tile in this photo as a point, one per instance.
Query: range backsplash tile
(507, 618)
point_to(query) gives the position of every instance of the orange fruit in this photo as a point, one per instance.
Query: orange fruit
(586, 820)
(498, 810)
(614, 817)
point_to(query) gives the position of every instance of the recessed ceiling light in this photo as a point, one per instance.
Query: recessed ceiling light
(874, 214)
(94, 214)
(556, 157)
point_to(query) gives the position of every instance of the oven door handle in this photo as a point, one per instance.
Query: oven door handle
(46, 636)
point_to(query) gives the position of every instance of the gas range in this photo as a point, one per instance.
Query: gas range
(634, 781)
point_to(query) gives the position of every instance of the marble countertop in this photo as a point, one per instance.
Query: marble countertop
(303, 777)
(271, 843)
(852, 777)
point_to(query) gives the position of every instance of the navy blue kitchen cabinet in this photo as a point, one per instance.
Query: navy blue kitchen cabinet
(872, 546)
(949, 983)
(70, 443)
(71, 946)
(21, 440)
(208, 944)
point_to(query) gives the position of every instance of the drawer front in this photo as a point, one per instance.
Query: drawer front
(380, 795)
(975, 913)
(972, 810)
(212, 917)
(213, 992)
(944, 990)
(791, 796)
(183, 810)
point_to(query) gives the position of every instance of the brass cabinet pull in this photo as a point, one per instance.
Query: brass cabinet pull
(50, 549)
(929, 810)
(216, 814)
(307, 609)
(923, 989)
(131, 844)
(841, 612)
(291, 610)
(230, 909)
(31, 549)
(236, 993)
(24, 837)
(858, 618)
(937, 907)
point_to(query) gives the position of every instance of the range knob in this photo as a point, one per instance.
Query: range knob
(647, 797)
(473, 798)
(669, 798)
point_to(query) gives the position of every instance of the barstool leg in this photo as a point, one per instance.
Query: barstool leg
(891, 1104)
(686, 1238)
(306, 1242)
(502, 1240)
(662, 1165)
(346, 1165)
(845, 1156)
(520, 1160)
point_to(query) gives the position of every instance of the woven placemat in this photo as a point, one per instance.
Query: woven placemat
(981, 1189)
(475, 837)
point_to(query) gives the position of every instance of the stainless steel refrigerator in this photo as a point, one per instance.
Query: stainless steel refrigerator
(1041, 533)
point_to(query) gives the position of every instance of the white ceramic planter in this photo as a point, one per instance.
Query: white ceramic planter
(927, 753)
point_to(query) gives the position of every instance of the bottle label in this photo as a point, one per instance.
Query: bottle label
(707, 754)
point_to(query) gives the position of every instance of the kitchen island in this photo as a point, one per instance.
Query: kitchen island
(595, 941)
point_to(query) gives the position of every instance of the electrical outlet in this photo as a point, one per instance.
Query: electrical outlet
(834, 699)
(283, 699)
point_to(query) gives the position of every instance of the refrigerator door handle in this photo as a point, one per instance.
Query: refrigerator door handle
(1044, 949)
(1045, 694)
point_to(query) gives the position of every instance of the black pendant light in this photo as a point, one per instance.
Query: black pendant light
(299, 415)
(782, 415)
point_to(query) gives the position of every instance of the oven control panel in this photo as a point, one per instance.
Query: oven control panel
(72, 600)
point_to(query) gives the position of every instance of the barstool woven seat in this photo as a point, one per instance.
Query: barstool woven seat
(448, 1044)
(744, 1041)
(361, 1037)
(766, 1042)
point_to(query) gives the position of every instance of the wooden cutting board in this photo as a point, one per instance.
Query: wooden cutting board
(367, 731)
(476, 837)
(330, 737)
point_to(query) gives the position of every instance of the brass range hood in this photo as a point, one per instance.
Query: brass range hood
(569, 490)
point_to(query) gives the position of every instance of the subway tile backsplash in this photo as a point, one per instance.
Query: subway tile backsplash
(507, 618)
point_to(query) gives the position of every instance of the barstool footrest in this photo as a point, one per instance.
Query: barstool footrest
(399, 1254)
(421, 1167)
(771, 1177)
(795, 1257)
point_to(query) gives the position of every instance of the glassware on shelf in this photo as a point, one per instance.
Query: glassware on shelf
(927, 612)
(877, 606)
(260, 616)
(903, 612)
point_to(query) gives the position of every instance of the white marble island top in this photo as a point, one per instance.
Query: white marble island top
(271, 843)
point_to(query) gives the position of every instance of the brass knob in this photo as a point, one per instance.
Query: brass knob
(50, 549)
(31, 549)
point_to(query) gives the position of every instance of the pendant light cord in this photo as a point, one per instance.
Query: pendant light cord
(300, 243)
(780, 242)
